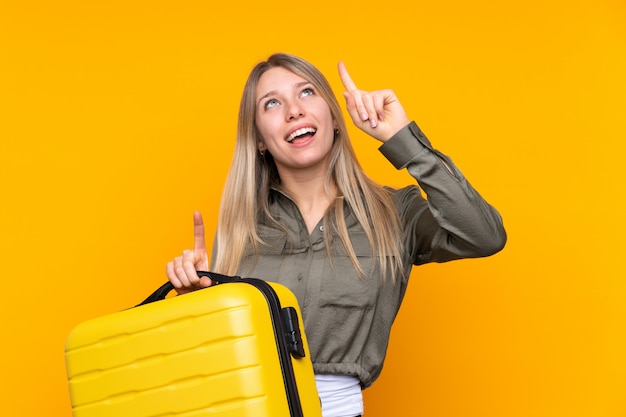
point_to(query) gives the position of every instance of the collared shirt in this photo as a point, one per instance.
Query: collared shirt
(348, 318)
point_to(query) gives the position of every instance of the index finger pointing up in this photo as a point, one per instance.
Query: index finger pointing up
(345, 77)
(198, 232)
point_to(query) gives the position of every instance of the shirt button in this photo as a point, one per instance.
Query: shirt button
(321, 228)
(300, 277)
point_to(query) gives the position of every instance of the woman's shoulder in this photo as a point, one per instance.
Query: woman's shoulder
(407, 199)
(411, 191)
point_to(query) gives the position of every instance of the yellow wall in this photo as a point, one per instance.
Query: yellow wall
(117, 120)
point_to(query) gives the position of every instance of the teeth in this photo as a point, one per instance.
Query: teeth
(300, 132)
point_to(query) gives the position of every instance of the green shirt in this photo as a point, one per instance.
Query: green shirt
(347, 318)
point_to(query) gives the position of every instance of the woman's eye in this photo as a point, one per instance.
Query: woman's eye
(270, 103)
(307, 92)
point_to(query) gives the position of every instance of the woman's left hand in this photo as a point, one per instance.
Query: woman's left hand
(377, 113)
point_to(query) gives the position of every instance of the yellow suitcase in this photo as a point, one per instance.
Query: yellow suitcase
(235, 349)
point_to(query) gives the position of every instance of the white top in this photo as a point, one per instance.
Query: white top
(341, 395)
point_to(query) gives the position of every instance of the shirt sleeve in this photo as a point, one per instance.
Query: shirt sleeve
(453, 221)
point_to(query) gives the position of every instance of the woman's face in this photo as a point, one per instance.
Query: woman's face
(294, 120)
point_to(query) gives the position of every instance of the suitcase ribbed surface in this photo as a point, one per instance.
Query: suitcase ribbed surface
(208, 353)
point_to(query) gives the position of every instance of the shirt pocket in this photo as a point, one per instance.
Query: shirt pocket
(270, 255)
(341, 285)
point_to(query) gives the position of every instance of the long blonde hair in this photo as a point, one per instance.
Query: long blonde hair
(245, 198)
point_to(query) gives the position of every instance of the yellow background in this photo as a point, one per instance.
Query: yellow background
(117, 120)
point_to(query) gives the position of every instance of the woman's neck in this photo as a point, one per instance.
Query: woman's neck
(310, 195)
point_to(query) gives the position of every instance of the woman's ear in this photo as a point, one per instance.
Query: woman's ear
(262, 148)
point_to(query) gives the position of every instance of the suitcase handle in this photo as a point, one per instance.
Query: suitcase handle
(166, 288)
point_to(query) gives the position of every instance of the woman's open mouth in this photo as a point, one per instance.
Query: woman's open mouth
(301, 134)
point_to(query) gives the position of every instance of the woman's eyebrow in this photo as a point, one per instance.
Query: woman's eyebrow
(271, 93)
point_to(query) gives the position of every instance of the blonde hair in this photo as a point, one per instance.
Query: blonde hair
(245, 198)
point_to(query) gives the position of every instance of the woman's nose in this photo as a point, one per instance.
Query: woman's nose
(294, 111)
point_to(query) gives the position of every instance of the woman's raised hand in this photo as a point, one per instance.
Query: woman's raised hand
(378, 113)
(182, 270)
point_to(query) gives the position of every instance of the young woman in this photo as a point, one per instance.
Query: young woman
(298, 209)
